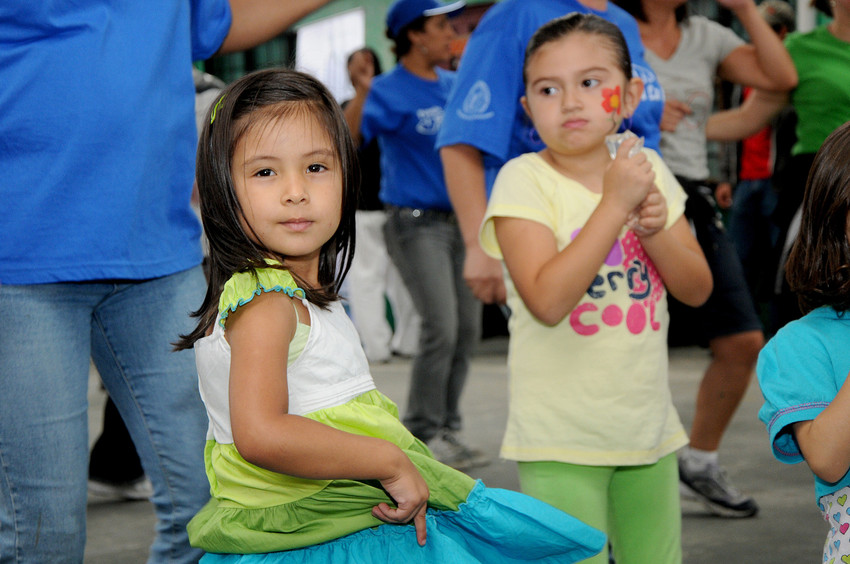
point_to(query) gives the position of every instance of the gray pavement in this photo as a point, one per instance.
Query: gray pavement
(788, 529)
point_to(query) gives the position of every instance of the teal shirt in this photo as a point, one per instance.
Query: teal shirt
(800, 372)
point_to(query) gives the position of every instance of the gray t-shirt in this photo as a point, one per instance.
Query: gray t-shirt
(688, 75)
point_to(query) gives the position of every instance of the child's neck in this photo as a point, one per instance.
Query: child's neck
(587, 169)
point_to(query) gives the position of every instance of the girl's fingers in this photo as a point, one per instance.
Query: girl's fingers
(388, 514)
(419, 522)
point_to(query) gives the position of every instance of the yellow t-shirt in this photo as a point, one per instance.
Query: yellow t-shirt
(593, 389)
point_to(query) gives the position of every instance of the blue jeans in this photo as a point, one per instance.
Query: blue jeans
(49, 334)
(427, 248)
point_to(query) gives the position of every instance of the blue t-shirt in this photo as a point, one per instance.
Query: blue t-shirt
(484, 110)
(800, 371)
(98, 138)
(405, 112)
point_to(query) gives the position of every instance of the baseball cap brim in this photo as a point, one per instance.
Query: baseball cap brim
(445, 8)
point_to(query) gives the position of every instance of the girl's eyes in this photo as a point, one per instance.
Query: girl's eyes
(312, 168)
(548, 90)
(589, 82)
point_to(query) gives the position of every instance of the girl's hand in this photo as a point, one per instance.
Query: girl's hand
(652, 214)
(628, 180)
(410, 493)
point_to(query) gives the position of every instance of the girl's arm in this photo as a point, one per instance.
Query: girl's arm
(749, 118)
(266, 435)
(679, 259)
(825, 440)
(551, 282)
(764, 62)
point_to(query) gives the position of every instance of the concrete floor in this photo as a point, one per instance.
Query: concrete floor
(789, 528)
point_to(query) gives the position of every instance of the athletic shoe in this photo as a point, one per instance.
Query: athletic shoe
(136, 490)
(712, 488)
(448, 449)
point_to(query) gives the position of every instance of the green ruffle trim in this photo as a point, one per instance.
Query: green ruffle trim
(243, 286)
(250, 512)
(341, 508)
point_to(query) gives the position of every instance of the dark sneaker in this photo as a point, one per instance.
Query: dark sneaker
(712, 488)
(448, 449)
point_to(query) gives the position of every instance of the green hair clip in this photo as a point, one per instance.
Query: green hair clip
(215, 109)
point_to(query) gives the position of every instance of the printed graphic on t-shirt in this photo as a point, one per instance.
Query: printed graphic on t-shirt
(629, 270)
(430, 120)
(651, 88)
(476, 105)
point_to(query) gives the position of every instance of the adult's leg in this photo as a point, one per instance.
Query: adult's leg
(421, 247)
(156, 392)
(581, 491)
(644, 515)
(406, 319)
(44, 347)
(367, 286)
(729, 322)
(468, 334)
(723, 386)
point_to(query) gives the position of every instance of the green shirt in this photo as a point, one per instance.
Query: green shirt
(822, 97)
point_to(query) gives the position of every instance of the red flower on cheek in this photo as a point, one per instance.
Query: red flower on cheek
(611, 100)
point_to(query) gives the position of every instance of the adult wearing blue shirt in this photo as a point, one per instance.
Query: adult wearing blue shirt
(100, 253)
(485, 125)
(404, 110)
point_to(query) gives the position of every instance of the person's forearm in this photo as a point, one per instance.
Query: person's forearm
(825, 441)
(354, 115)
(463, 168)
(682, 266)
(298, 446)
(771, 55)
(257, 21)
(747, 119)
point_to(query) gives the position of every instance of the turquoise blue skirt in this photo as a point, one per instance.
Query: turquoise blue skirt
(493, 525)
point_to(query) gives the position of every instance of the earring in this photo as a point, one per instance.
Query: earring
(832, 3)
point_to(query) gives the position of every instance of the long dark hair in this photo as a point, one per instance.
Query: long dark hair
(818, 268)
(576, 22)
(260, 96)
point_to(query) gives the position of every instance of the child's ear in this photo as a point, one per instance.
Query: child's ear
(524, 101)
(634, 90)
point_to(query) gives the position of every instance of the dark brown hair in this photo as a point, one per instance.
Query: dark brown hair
(254, 99)
(402, 44)
(585, 23)
(818, 268)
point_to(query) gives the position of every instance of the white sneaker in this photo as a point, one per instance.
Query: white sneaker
(136, 490)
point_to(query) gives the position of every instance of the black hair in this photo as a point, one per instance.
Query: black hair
(818, 268)
(635, 9)
(824, 6)
(559, 28)
(257, 98)
(371, 52)
(401, 40)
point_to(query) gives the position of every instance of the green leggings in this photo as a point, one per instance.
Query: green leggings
(636, 506)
